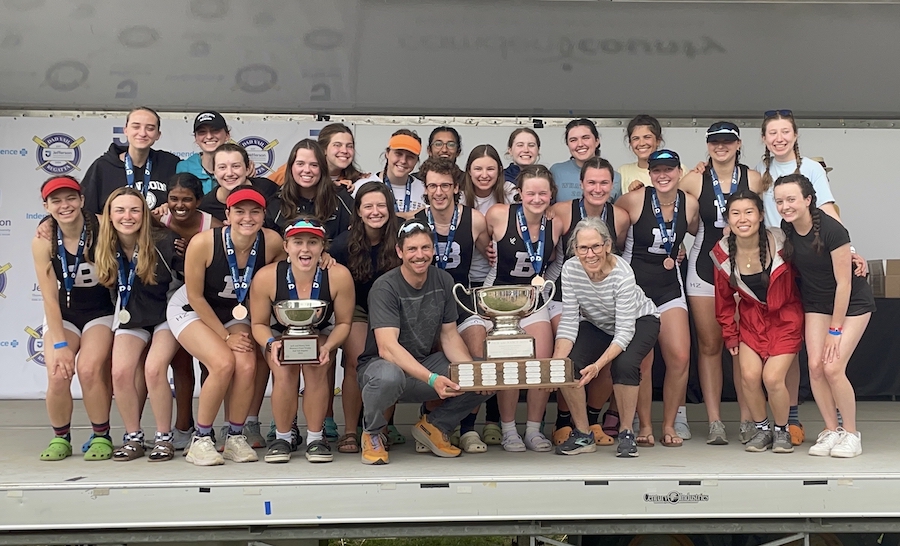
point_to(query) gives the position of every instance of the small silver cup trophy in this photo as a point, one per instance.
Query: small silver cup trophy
(300, 342)
(505, 306)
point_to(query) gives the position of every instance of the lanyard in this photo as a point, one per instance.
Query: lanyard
(717, 188)
(292, 286)
(129, 174)
(406, 199)
(241, 283)
(584, 214)
(663, 232)
(536, 256)
(69, 278)
(127, 273)
(442, 259)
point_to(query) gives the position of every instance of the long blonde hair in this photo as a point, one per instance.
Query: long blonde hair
(108, 244)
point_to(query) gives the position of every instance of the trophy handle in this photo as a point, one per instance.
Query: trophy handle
(549, 298)
(467, 292)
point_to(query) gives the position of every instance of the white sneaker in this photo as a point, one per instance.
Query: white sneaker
(850, 445)
(238, 450)
(826, 441)
(470, 442)
(202, 452)
(182, 438)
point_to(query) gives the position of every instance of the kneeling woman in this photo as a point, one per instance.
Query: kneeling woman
(748, 262)
(300, 277)
(143, 267)
(208, 316)
(606, 320)
(78, 315)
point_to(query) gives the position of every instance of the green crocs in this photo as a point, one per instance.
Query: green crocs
(394, 436)
(59, 449)
(101, 449)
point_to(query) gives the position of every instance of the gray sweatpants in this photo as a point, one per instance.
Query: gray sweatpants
(383, 384)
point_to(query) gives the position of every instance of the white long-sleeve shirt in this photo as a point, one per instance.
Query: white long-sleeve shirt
(612, 305)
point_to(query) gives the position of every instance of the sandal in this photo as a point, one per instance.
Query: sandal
(129, 451)
(645, 441)
(348, 443)
(101, 449)
(492, 434)
(672, 440)
(59, 449)
(512, 442)
(611, 423)
(536, 441)
(162, 451)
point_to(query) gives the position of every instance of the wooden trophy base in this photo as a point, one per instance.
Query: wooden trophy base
(532, 373)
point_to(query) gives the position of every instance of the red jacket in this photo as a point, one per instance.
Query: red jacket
(771, 328)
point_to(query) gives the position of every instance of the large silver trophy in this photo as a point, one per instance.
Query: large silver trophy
(505, 306)
(300, 342)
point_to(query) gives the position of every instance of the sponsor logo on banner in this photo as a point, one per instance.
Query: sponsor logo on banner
(3, 280)
(35, 215)
(9, 343)
(22, 152)
(58, 153)
(35, 345)
(676, 497)
(36, 293)
(119, 136)
(5, 227)
(261, 152)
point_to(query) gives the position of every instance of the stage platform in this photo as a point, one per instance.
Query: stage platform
(696, 487)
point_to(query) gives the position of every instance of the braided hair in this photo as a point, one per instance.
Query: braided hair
(767, 156)
(762, 235)
(806, 190)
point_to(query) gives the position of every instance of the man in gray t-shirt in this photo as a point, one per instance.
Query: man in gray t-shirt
(411, 312)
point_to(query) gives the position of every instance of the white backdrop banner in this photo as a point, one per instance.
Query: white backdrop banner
(32, 150)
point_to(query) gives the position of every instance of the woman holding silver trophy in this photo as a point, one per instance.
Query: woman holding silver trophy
(325, 297)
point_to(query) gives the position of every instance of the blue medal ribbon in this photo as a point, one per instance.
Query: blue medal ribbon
(292, 286)
(536, 256)
(584, 214)
(444, 256)
(406, 199)
(667, 240)
(241, 282)
(129, 174)
(717, 187)
(127, 272)
(69, 277)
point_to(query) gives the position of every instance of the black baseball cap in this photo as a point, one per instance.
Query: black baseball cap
(723, 131)
(664, 157)
(211, 118)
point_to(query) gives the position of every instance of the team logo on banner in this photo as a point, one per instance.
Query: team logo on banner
(3, 281)
(261, 152)
(35, 345)
(58, 153)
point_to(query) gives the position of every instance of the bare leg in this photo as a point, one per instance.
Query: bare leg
(675, 343)
(183, 378)
(709, 357)
(351, 397)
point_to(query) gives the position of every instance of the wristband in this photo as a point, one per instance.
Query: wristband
(835, 331)
(269, 344)
(61, 344)
(431, 379)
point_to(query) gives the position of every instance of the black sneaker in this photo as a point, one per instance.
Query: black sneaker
(279, 452)
(296, 437)
(627, 445)
(319, 451)
(578, 442)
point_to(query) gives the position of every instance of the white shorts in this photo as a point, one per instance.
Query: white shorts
(178, 319)
(695, 285)
(678, 303)
(142, 333)
(555, 309)
(473, 320)
(541, 316)
(106, 321)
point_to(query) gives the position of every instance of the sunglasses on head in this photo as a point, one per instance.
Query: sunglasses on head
(724, 125)
(312, 222)
(782, 113)
(411, 227)
(662, 155)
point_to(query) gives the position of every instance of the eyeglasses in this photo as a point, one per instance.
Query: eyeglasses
(445, 187)
(782, 113)
(582, 250)
(440, 144)
(411, 227)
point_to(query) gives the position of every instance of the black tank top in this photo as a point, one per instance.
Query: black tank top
(576, 217)
(513, 263)
(646, 252)
(89, 299)
(147, 303)
(282, 293)
(711, 221)
(459, 261)
(218, 286)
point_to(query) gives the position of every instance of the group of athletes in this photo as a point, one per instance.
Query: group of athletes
(151, 262)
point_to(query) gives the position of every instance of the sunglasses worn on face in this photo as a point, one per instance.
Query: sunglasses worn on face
(782, 113)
